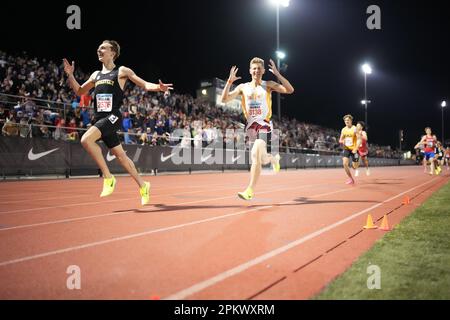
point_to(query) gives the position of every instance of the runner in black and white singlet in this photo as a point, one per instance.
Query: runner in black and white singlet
(108, 94)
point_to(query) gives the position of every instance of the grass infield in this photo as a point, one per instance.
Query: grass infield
(413, 259)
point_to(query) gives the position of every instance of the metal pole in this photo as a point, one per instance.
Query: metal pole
(443, 141)
(278, 60)
(365, 101)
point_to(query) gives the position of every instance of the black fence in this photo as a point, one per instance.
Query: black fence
(29, 157)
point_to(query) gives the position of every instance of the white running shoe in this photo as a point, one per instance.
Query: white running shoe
(368, 172)
(356, 172)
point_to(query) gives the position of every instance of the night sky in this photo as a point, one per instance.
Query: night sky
(326, 42)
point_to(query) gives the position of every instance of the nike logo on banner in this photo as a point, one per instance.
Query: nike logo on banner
(34, 156)
(110, 157)
(294, 160)
(206, 158)
(164, 159)
(319, 160)
(233, 159)
(329, 160)
(308, 160)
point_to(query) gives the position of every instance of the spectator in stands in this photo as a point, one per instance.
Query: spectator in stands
(24, 128)
(40, 78)
(72, 132)
(10, 128)
(3, 115)
(127, 124)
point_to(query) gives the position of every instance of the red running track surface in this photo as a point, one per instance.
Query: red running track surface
(197, 239)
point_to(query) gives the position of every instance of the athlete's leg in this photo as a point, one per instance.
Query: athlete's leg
(258, 155)
(355, 165)
(432, 166)
(266, 156)
(88, 141)
(345, 162)
(127, 164)
(366, 162)
(259, 146)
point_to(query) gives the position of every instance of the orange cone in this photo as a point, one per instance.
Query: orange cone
(369, 223)
(385, 224)
(406, 200)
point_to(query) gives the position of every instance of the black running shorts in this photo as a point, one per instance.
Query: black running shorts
(349, 154)
(109, 126)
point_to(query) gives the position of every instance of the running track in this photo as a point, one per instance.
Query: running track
(196, 240)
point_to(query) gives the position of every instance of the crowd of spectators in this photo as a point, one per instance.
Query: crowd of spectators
(48, 108)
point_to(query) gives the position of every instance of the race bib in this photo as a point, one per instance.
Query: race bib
(430, 144)
(104, 102)
(255, 112)
(348, 142)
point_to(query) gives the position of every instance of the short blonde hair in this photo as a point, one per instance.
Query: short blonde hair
(257, 60)
(348, 116)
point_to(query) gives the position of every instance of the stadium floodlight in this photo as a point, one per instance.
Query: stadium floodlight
(204, 92)
(366, 68)
(280, 55)
(364, 101)
(278, 4)
(283, 3)
(443, 104)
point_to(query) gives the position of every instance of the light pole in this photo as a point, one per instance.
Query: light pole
(280, 55)
(443, 105)
(367, 70)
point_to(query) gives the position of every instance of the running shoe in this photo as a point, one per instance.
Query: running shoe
(350, 181)
(246, 195)
(145, 193)
(276, 164)
(108, 186)
(356, 172)
(368, 172)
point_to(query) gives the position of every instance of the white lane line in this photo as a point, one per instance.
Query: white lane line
(242, 267)
(146, 212)
(135, 235)
(156, 211)
(115, 193)
(101, 201)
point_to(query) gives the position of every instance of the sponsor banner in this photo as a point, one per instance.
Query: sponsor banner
(236, 160)
(309, 160)
(19, 156)
(135, 152)
(32, 156)
(289, 160)
(320, 162)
